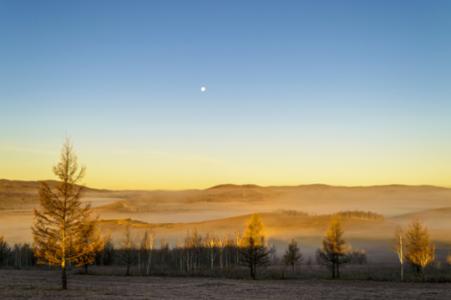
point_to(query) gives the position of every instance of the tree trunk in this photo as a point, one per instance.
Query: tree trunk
(338, 270)
(149, 262)
(252, 272)
(418, 270)
(64, 277)
(212, 259)
(86, 268)
(127, 273)
(402, 272)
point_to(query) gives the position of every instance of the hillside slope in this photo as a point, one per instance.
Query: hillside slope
(389, 200)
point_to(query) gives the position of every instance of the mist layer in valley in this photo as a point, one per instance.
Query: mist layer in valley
(300, 212)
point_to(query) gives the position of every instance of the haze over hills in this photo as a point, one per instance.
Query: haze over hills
(288, 211)
(24, 195)
(389, 200)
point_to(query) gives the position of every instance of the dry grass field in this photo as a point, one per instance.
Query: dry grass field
(36, 284)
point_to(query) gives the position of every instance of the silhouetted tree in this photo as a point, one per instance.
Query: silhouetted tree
(5, 252)
(192, 248)
(62, 217)
(127, 247)
(420, 251)
(253, 248)
(211, 243)
(357, 257)
(147, 245)
(108, 252)
(292, 256)
(334, 250)
(220, 245)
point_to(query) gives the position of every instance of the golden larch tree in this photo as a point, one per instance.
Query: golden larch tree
(60, 223)
(252, 246)
(420, 251)
(335, 250)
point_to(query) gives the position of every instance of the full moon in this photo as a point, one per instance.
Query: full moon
(203, 89)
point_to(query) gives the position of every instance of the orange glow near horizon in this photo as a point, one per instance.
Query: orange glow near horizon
(157, 170)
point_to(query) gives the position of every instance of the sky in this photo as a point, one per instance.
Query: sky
(298, 92)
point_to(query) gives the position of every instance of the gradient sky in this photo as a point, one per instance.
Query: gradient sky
(337, 92)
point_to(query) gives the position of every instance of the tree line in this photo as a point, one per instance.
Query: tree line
(18, 256)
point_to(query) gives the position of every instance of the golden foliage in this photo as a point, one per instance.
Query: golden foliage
(420, 251)
(334, 251)
(254, 233)
(253, 250)
(62, 230)
(90, 243)
(333, 241)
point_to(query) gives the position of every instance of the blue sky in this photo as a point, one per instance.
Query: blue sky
(340, 92)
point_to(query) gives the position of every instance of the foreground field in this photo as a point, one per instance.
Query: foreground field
(45, 285)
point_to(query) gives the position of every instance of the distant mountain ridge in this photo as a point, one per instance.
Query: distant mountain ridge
(21, 194)
(233, 199)
(13, 183)
(34, 184)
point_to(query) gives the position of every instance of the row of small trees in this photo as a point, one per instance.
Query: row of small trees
(196, 253)
(17, 256)
(414, 247)
(199, 252)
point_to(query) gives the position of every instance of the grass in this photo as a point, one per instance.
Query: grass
(44, 284)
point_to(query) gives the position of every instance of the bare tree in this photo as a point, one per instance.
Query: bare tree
(420, 251)
(192, 247)
(253, 248)
(61, 218)
(4, 251)
(292, 256)
(211, 244)
(334, 250)
(105, 256)
(147, 245)
(127, 247)
(399, 250)
(220, 244)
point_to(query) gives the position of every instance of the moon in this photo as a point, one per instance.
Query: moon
(203, 89)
